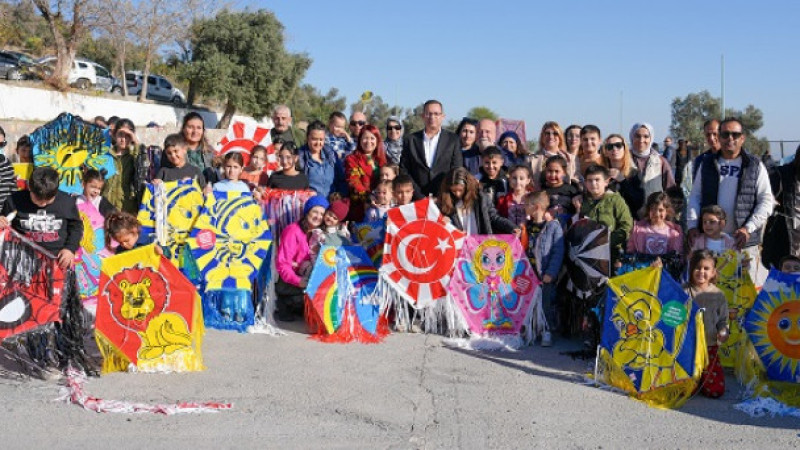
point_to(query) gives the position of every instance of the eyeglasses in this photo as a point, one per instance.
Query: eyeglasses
(550, 133)
(360, 123)
(432, 114)
(730, 134)
(614, 146)
(394, 127)
(3, 144)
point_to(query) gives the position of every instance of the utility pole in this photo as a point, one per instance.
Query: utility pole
(722, 86)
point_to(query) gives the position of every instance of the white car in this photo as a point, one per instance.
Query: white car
(158, 88)
(82, 75)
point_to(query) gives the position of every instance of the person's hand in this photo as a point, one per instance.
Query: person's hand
(65, 259)
(303, 283)
(547, 279)
(207, 189)
(159, 251)
(657, 263)
(741, 236)
(131, 135)
(691, 235)
(723, 335)
(517, 232)
(157, 181)
(577, 201)
(4, 222)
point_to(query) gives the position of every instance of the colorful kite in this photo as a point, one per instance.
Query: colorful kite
(68, 144)
(740, 293)
(31, 286)
(167, 214)
(653, 343)
(673, 262)
(230, 243)
(23, 172)
(283, 207)
(370, 235)
(242, 137)
(148, 315)
(88, 258)
(772, 367)
(588, 255)
(341, 304)
(494, 285)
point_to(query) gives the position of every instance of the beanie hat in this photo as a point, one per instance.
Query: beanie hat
(340, 208)
(317, 200)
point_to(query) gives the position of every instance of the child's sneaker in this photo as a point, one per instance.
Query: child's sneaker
(547, 339)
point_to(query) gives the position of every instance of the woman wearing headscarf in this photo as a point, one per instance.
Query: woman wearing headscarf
(654, 170)
(393, 145)
(514, 150)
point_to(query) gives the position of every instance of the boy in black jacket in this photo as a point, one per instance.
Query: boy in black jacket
(46, 216)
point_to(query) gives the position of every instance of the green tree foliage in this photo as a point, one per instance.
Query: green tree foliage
(309, 104)
(240, 58)
(482, 112)
(413, 119)
(377, 110)
(689, 114)
(22, 28)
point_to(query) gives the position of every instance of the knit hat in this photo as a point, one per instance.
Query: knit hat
(340, 208)
(317, 200)
(509, 134)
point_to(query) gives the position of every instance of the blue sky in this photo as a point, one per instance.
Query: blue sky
(565, 61)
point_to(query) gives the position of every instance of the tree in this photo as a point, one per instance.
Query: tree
(413, 119)
(69, 21)
(481, 112)
(239, 58)
(690, 113)
(308, 104)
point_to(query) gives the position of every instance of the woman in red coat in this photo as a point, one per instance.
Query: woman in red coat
(362, 168)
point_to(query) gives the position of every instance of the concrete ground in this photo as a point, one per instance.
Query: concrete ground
(410, 391)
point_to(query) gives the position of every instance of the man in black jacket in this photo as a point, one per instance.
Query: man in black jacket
(429, 154)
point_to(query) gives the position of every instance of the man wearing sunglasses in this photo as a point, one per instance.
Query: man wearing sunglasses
(357, 122)
(429, 154)
(738, 182)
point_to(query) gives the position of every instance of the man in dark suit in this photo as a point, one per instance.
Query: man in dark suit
(429, 154)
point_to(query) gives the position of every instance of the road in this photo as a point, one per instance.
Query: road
(411, 391)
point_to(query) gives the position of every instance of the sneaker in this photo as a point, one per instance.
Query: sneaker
(547, 339)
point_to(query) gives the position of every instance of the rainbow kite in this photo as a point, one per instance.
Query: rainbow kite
(341, 304)
(370, 235)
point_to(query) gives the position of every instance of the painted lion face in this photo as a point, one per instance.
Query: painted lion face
(137, 302)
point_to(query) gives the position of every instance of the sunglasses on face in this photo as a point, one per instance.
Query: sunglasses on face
(730, 134)
(614, 146)
(394, 127)
(3, 144)
(360, 123)
(550, 133)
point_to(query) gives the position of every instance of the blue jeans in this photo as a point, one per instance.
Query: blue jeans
(549, 305)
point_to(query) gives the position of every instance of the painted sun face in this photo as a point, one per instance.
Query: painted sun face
(783, 329)
(493, 259)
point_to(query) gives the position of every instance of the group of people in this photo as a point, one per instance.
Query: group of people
(483, 184)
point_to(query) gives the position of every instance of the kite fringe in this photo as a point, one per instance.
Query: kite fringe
(265, 309)
(766, 406)
(752, 375)
(74, 393)
(536, 318)
(443, 317)
(349, 330)
(488, 343)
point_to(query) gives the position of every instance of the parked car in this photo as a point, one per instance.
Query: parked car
(158, 88)
(105, 81)
(82, 75)
(16, 65)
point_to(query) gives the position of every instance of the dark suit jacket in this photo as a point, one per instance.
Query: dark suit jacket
(428, 180)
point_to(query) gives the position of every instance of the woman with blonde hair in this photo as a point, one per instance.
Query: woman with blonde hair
(551, 143)
(623, 174)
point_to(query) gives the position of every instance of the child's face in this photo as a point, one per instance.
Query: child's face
(286, 159)
(257, 160)
(232, 170)
(492, 165)
(24, 153)
(703, 272)
(330, 219)
(790, 266)
(457, 190)
(176, 155)
(403, 194)
(657, 214)
(532, 209)
(519, 180)
(554, 175)
(387, 174)
(92, 189)
(383, 196)
(596, 185)
(127, 239)
(712, 226)
(337, 126)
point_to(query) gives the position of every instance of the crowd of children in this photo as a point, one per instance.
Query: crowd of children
(495, 200)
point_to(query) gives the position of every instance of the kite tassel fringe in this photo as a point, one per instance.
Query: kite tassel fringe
(489, 343)
(761, 407)
(349, 330)
(265, 309)
(74, 393)
(442, 317)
